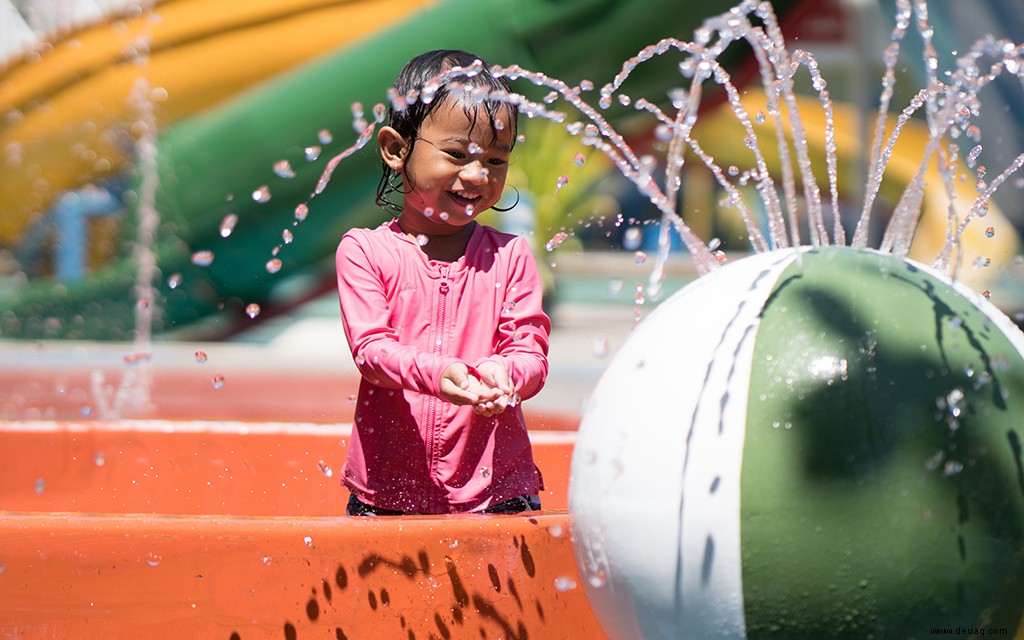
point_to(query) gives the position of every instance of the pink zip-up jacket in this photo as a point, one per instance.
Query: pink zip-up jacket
(407, 318)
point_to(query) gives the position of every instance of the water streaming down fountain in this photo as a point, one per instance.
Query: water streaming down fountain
(949, 107)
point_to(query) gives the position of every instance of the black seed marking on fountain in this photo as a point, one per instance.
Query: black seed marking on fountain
(708, 562)
(442, 628)
(406, 565)
(487, 610)
(461, 596)
(528, 564)
(515, 593)
(492, 573)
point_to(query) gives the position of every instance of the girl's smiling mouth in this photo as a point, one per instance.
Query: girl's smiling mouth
(464, 197)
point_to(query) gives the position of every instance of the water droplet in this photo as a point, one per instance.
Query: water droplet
(556, 240)
(40, 485)
(137, 358)
(469, 210)
(252, 310)
(951, 468)
(639, 257)
(615, 287)
(218, 381)
(201, 356)
(973, 156)
(360, 359)
(443, 216)
(428, 212)
(640, 297)
(632, 238)
(273, 265)
(266, 560)
(556, 530)
(283, 169)
(561, 182)
(153, 559)
(485, 472)
(301, 211)
(174, 280)
(517, 336)
(312, 153)
(309, 541)
(422, 240)
(955, 402)
(227, 224)
(563, 584)
(261, 195)
(99, 458)
(202, 258)
(759, 117)
(325, 469)
(474, 149)
(287, 236)
(991, 231)
(508, 306)
(986, 294)
(579, 159)
(325, 137)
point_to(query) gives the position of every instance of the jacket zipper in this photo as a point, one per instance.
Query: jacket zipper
(435, 428)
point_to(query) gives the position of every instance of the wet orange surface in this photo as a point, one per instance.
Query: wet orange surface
(190, 394)
(181, 527)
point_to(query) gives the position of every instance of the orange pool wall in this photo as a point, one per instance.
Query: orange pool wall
(187, 528)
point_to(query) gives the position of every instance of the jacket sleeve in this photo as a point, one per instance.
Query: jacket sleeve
(524, 328)
(378, 354)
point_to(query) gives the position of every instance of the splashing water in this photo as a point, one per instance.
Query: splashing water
(789, 219)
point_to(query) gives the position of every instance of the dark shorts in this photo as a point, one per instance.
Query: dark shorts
(525, 502)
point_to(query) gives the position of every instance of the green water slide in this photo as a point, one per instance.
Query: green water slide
(211, 163)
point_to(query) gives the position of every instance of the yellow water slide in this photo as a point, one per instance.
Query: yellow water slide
(65, 111)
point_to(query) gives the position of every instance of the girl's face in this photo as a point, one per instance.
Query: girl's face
(456, 169)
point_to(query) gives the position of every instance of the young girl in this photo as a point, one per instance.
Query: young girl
(443, 315)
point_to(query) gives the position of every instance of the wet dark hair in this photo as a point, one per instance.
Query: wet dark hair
(420, 71)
